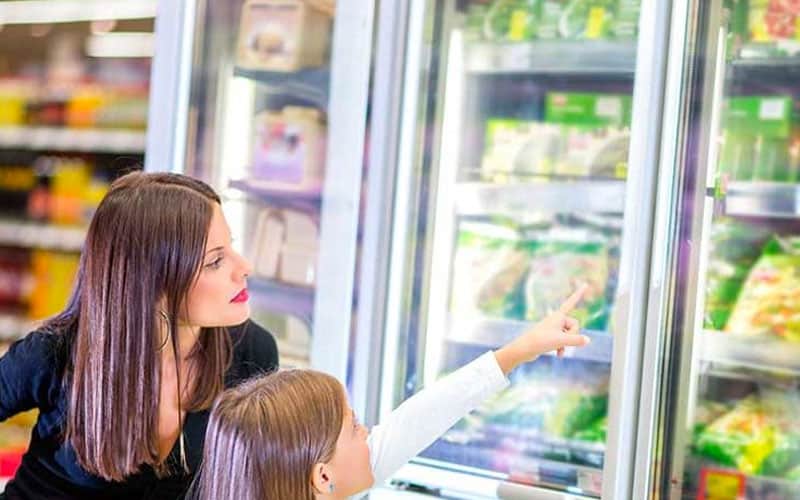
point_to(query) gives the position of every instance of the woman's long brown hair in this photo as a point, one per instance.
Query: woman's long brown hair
(265, 436)
(143, 250)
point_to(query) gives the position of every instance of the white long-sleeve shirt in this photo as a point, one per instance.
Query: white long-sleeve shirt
(425, 416)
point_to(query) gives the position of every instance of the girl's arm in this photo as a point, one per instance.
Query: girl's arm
(424, 417)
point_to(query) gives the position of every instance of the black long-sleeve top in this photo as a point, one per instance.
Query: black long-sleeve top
(32, 376)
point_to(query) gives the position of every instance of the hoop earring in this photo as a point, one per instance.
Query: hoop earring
(169, 330)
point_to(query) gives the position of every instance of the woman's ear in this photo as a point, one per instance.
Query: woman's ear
(321, 480)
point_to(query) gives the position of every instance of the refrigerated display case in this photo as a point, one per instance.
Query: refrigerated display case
(524, 145)
(267, 101)
(719, 419)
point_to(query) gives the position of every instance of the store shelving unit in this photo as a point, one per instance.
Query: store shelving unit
(25, 234)
(579, 196)
(752, 352)
(557, 57)
(75, 140)
(13, 326)
(763, 199)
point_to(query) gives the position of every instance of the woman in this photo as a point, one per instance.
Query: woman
(292, 436)
(123, 378)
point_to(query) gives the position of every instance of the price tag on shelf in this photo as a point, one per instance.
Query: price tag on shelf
(721, 484)
(797, 200)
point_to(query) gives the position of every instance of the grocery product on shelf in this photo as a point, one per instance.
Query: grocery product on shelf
(282, 35)
(773, 20)
(758, 435)
(549, 412)
(521, 20)
(489, 271)
(560, 261)
(735, 247)
(289, 148)
(520, 147)
(503, 271)
(286, 245)
(756, 139)
(768, 303)
(588, 110)
(15, 278)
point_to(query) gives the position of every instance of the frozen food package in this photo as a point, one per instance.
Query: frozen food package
(735, 247)
(575, 410)
(282, 35)
(489, 271)
(769, 303)
(759, 435)
(520, 147)
(601, 152)
(742, 438)
(560, 261)
(289, 148)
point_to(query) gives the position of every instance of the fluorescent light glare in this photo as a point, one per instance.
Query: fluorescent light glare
(121, 45)
(70, 11)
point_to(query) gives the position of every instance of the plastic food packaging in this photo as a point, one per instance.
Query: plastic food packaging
(282, 35)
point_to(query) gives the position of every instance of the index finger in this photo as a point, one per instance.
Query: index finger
(573, 300)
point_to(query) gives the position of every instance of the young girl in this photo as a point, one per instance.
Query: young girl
(292, 435)
(124, 377)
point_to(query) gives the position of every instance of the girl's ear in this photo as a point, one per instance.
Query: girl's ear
(320, 479)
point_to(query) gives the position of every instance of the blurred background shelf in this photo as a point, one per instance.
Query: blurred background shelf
(476, 198)
(67, 139)
(38, 235)
(13, 327)
(752, 352)
(561, 57)
(312, 84)
(491, 332)
(763, 199)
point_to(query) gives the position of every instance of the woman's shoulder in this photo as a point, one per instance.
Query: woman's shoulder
(254, 350)
(44, 346)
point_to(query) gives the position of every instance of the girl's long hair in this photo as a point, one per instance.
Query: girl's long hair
(265, 436)
(142, 255)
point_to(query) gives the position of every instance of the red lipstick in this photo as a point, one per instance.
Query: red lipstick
(241, 296)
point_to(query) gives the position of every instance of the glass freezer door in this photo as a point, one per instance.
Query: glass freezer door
(726, 398)
(269, 105)
(525, 169)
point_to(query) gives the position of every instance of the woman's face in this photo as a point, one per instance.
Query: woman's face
(219, 295)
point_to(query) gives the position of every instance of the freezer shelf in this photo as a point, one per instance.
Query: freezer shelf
(491, 332)
(477, 198)
(558, 465)
(282, 298)
(67, 139)
(312, 84)
(763, 199)
(561, 57)
(283, 198)
(36, 235)
(13, 327)
(756, 352)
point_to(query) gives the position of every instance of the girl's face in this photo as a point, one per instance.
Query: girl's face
(350, 469)
(219, 295)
